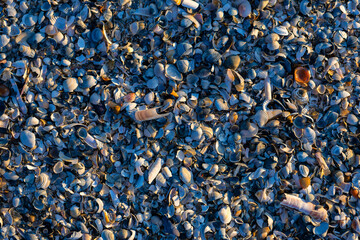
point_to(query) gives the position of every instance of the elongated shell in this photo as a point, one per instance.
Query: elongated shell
(262, 117)
(321, 161)
(149, 114)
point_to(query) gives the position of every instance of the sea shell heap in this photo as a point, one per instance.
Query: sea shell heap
(179, 119)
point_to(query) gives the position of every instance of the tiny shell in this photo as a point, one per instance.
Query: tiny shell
(305, 182)
(302, 76)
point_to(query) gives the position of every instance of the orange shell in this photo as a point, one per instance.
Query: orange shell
(302, 76)
(177, 2)
(305, 182)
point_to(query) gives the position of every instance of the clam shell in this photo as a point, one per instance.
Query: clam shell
(28, 139)
(4, 40)
(186, 175)
(172, 73)
(244, 8)
(302, 76)
(305, 182)
(70, 84)
(58, 167)
(43, 181)
(225, 215)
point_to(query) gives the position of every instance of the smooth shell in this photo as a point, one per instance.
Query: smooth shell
(244, 8)
(28, 138)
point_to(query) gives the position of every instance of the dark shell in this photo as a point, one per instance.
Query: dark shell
(232, 62)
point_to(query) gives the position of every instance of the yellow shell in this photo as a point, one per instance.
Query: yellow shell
(305, 182)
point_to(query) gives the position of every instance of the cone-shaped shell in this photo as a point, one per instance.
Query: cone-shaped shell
(302, 76)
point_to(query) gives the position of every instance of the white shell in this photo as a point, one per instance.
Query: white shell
(154, 170)
(186, 175)
(225, 215)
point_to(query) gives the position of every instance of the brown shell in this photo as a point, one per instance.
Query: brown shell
(302, 76)
(4, 91)
(129, 97)
(354, 192)
(177, 2)
(305, 182)
(149, 114)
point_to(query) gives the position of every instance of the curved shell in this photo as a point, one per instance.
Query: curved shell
(301, 95)
(149, 114)
(225, 215)
(58, 167)
(302, 76)
(244, 8)
(43, 181)
(262, 117)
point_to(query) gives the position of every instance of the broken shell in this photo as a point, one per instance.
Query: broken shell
(149, 114)
(262, 117)
(301, 95)
(302, 76)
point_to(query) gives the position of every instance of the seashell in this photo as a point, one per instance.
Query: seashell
(29, 20)
(221, 105)
(336, 150)
(51, 30)
(263, 4)
(211, 56)
(28, 139)
(321, 89)
(183, 65)
(339, 177)
(300, 95)
(172, 73)
(14, 30)
(32, 121)
(281, 30)
(207, 131)
(75, 211)
(300, 122)
(250, 131)
(86, 137)
(4, 40)
(304, 170)
(70, 84)
(309, 135)
(130, 97)
(43, 181)
(304, 7)
(232, 62)
(27, 51)
(61, 24)
(107, 235)
(263, 233)
(225, 214)
(149, 114)
(186, 175)
(305, 182)
(352, 119)
(272, 46)
(58, 167)
(302, 76)
(322, 229)
(136, 27)
(154, 170)
(183, 49)
(95, 99)
(189, 4)
(321, 161)
(89, 81)
(57, 118)
(262, 117)
(96, 35)
(4, 91)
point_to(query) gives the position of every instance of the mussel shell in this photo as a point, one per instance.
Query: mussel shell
(211, 56)
(300, 122)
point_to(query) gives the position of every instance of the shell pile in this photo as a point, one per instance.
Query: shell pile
(179, 119)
